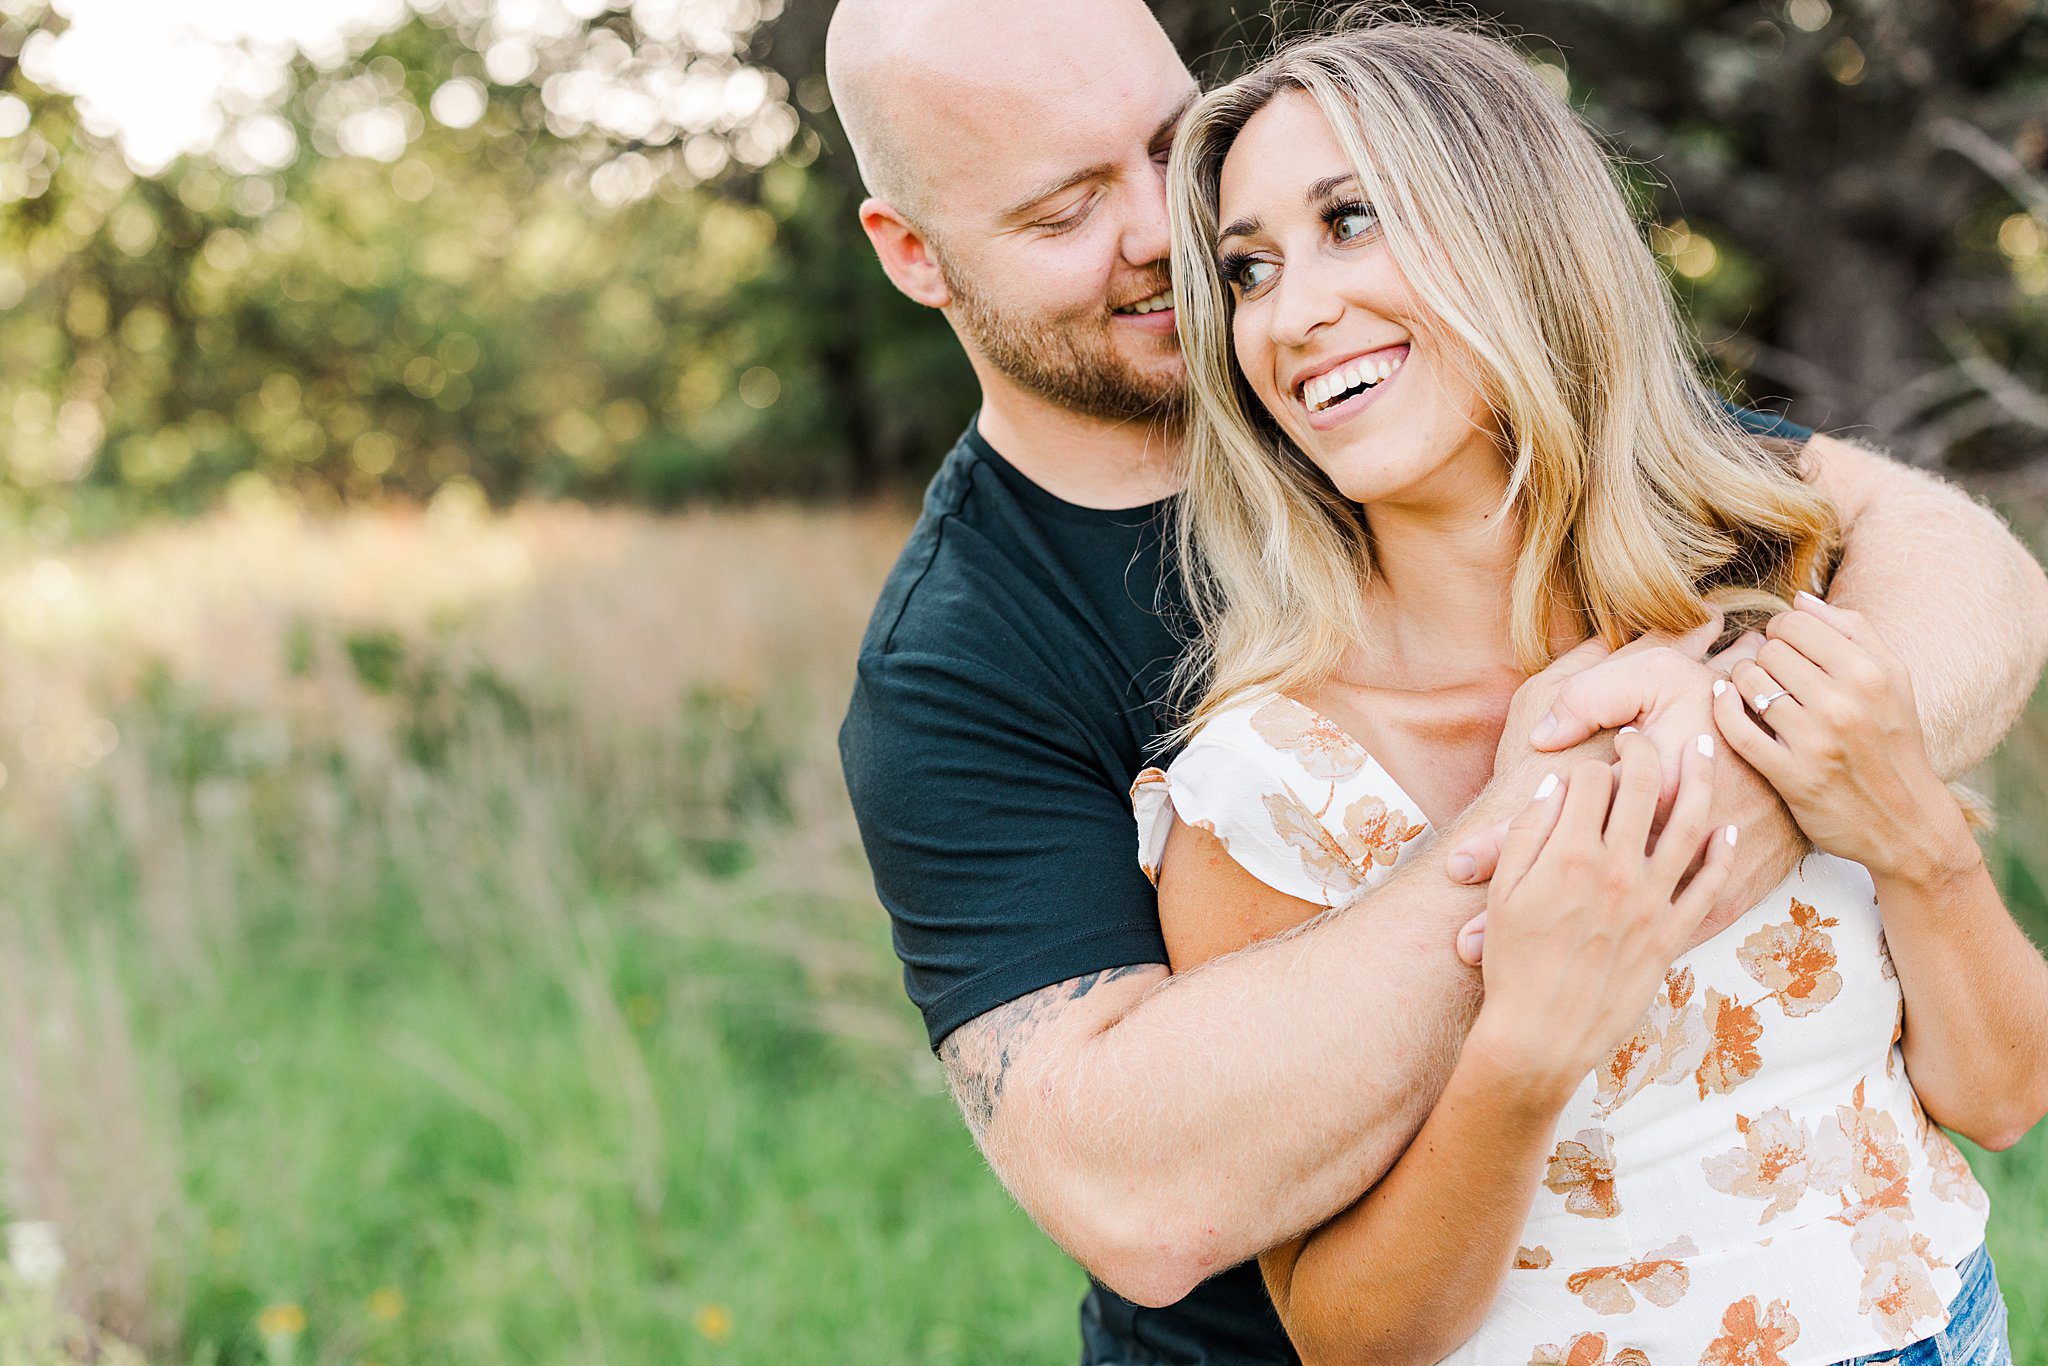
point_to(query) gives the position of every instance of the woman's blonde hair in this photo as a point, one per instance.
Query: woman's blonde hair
(1639, 499)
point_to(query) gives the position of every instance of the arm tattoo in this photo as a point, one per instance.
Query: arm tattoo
(977, 1055)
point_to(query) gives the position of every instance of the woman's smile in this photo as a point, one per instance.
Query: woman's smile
(1331, 394)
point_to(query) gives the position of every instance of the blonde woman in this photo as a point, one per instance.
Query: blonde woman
(1444, 426)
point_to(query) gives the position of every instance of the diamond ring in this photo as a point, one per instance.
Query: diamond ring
(1762, 701)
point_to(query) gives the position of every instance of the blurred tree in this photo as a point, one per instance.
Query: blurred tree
(525, 255)
(1874, 166)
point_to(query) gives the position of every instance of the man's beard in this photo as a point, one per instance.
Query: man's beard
(1067, 358)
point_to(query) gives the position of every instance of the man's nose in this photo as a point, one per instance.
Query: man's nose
(1148, 239)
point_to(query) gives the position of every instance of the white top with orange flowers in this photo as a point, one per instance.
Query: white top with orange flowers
(1748, 1181)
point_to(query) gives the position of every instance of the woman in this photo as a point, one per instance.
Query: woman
(1444, 425)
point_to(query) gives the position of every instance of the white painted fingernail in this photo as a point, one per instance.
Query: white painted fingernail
(1730, 833)
(1720, 686)
(1546, 787)
(1628, 730)
(1707, 746)
(1802, 596)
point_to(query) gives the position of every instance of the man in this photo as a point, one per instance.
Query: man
(1164, 1130)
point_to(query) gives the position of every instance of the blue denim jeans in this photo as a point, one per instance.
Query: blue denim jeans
(1975, 1335)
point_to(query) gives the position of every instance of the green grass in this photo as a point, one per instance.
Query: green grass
(565, 1111)
(595, 1172)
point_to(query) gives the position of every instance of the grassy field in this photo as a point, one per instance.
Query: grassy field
(440, 938)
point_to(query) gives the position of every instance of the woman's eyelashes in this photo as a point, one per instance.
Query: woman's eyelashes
(1350, 220)
(1346, 223)
(1242, 271)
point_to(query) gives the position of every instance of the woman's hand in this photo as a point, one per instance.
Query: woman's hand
(1840, 739)
(1586, 911)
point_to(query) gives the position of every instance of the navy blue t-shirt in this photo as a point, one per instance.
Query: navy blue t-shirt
(1010, 687)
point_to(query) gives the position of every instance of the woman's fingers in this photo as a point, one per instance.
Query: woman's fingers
(1589, 790)
(1815, 638)
(1696, 902)
(1527, 833)
(1678, 844)
(1793, 671)
(1849, 623)
(1767, 699)
(1760, 750)
(1861, 664)
(1638, 786)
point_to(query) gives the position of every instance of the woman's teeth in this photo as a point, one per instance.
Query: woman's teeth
(1332, 388)
(1162, 300)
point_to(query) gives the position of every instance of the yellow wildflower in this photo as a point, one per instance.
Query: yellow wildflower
(714, 1321)
(281, 1321)
(386, 1304)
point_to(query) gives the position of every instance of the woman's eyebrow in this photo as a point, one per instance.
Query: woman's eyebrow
(1243, 227)
(1329, 185)
(1320, 190)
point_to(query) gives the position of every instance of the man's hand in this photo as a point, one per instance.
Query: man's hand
(1661, 686)
(1590, 689)
(1654, 683)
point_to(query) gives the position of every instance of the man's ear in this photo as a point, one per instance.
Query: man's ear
(905, 255)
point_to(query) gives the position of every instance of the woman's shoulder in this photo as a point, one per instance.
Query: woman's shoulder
(1287, 793)
(1280, 735)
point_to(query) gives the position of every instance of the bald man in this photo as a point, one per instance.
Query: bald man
(1165, 1129)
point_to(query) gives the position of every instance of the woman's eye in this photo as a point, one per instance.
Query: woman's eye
(1350, 224)
(1255, 273)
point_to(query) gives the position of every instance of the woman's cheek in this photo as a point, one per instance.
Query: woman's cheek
(1254, 363)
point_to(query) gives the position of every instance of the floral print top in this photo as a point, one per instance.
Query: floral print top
(1748, 1181)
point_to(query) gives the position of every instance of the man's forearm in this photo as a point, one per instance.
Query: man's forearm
(1954, 593)
(1238, 1104)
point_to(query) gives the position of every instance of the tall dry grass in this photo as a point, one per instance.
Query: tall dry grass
(228, 729)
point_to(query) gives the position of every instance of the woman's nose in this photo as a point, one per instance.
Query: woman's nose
(1305, 299)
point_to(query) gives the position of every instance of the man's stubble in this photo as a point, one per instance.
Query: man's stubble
(1069, 358)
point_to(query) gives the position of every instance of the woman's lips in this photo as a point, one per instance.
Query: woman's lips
(1337, 414)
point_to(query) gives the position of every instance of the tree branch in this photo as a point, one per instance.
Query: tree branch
(1995, 160)
(2018, 398)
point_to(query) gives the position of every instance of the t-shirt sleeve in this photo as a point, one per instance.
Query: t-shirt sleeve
(998, 837)
(1776, 426)
(1243, 798)
(1292, 799)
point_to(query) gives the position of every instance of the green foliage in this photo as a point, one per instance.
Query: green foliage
(537, 1045)
(346, 328)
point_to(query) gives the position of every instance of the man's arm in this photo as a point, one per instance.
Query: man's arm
(1164, 1128)
(1955, 595)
